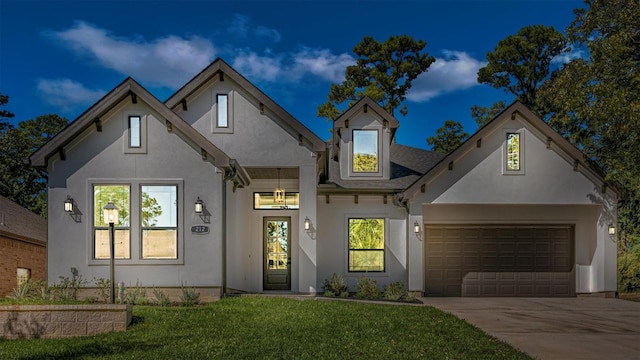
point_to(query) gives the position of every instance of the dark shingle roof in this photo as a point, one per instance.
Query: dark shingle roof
(407, 165)
(20, 223)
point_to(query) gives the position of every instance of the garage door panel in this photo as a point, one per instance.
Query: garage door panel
(508, 260)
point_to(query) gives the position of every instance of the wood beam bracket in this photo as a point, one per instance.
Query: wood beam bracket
(63, 155)
(98, 124)
(169, 126)
(134, 97)
(261, 109)
(184, 104)
(203, 153)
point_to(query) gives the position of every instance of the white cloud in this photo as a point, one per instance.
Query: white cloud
(239, 26)
(254, 66)
(568, 56)
(322, 63)
(67, 94)
(176, 58)
(455, 70)
(268, 33)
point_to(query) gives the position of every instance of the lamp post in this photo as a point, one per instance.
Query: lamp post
(110, 215)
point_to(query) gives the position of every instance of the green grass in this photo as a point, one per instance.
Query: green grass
(277, 328)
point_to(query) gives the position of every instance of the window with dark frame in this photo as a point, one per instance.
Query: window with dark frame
(135, 133)
(366, 245)
(159, 217)
(222, 118)
(120, 196)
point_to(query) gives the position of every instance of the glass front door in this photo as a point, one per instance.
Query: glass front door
(277, 253)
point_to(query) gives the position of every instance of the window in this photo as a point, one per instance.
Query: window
(119, 195)
(513, 151)
(135, 136)
(23, 275)
(223, 111)
(366, 244)
(265, 200)
(159, 214)
(365, 151)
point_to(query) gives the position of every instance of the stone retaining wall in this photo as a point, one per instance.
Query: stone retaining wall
(56, 321)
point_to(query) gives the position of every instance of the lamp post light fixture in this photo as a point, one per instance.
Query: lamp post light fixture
(110, 215)
(612, 230)
(307, 224)
(416, 228)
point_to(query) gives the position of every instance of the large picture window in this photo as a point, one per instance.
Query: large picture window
(119, 195)
(365, 151)
(159, 216)
(366, 244)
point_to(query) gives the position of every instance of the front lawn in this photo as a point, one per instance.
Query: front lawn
(272, 327)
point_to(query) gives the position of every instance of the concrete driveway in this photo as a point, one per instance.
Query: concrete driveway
(555, 328)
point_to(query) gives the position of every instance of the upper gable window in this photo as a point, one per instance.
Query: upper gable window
(136, 134)
(135, 139)
(223, 110)
(513, 163)
(365, 151)
(222, 113)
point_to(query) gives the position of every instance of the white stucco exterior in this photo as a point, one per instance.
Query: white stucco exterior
(225, 166)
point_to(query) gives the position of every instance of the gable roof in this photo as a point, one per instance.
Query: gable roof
(554, 140)
(283, 118)
(407, 165)
(363, 104)
(19, 223)
(92, 116)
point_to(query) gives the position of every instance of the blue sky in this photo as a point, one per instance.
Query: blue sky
(62, 56)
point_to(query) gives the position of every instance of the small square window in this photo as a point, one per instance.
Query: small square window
(23, 275)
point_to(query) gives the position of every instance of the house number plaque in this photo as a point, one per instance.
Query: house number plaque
(200, 229)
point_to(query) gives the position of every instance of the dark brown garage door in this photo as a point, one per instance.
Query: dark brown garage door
(492, 260)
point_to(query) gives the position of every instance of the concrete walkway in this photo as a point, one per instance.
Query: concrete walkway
(555, 328)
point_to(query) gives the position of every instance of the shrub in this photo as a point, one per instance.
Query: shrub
(335, 286)
(367, 289)
(189, 296)
(161, 298)
(67, 289)
(395, 291)
(136, 295)
(104, 289)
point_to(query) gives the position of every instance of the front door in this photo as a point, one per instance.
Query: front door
(277, 253)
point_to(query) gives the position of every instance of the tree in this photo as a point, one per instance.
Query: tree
(595, 104)
(448, 137)
(19, 181)
(4, 114)
(520, 63)
(482, 115)
(383, 71)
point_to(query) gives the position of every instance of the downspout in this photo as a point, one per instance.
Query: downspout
(228, 175)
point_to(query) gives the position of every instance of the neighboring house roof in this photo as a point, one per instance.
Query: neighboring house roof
(282, 118)
(407, 165)
(19, 223)
(91, 117)
(554, 141)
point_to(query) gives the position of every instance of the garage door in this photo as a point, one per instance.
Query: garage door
(492, 260)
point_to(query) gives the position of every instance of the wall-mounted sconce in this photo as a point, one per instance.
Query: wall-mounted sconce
(72, 210)
(68, 204)
(308, 227)
(612, 230)
(199, 206)
(200, 209)
(417, 230)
